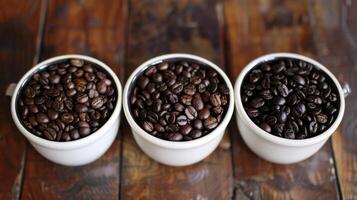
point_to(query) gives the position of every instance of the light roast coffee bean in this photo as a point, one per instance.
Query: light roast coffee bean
(67, 101)
(189, 100)
(290, 98)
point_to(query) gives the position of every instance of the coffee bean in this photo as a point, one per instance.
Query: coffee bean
(210, 123)
(172, 128)
(190, 89)
(278, 100)
(97, 102)
(198, 103)
(203, 114)
(181, 120)
(195, 134)
(265, 127)
(185, 130)
(283, 90)
(191, 112)
(215, 100)
(282, 117)
(175, 136)
(42, 118)
(252, 112)
(257, 102)
(197, 124)
(299, 79)
(148, 126)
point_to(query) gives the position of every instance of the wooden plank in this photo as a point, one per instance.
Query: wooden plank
(335, 36)
(255, 28)
(157, 28)
(19, 25)
(95, 29)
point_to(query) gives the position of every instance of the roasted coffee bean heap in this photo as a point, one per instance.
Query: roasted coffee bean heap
(290, 98)
(179, 101)
(67, 101)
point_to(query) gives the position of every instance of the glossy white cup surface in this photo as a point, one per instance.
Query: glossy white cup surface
(81, 151)
(169, 152)
(270, 147)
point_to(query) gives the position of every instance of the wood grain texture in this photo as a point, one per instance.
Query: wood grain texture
(335, 33)
(157, 28)
(255, 28)
(95, 29)
(19, 24)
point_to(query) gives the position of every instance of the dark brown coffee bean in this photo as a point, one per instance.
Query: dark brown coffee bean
(42, 118)
(210, 123)
(186, 129)
(102, 87)
(204, 114)
(82, 98)
(143, 82)
(265, 127)
(76, 62)
(190, 89)
(282, 117)
(163, 66)
(52, 114)
(197, 124)
(278, 100)
(177, 88)
(80, 108)
(215, 100)
(195, 134)
(322, 118)
(97, 102)
(179, 107)
(283, 90)
(74, 134)
(84, 131)
(50, 134)
(186, 99)
(257, 102)
(157, 77)
(299, 79)
(172, 128)
(252, 112)
(148, 126)
(181, 120)
(198, 103)
(191, 112)
(175, 136)
(150, 71)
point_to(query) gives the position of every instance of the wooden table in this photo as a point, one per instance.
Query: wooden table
(123, 34)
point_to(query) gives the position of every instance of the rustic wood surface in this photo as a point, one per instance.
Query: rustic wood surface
(230, 33)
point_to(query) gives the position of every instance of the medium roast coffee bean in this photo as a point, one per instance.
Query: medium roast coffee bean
(290, 98)
(178, 101)
(67, 101)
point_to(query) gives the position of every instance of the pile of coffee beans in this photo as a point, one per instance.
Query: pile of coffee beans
(179, 100)
(67, 101)
(290, 98)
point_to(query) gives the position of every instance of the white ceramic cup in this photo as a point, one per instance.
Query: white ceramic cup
(270, 147)
(81, 151)
(176, 153)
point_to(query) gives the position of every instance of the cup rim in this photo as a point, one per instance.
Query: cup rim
(179, 144)
(270, 137)
(75, 143)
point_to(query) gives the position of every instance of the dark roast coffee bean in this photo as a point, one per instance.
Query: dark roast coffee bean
(195, 134)
(210, 123)
(185, 130)
(42, 118)
(257, 102)
(191, 112)
(175, 137)
(265, 127)
(181, 120)
(215, 100)
(148, 126)
(204, 114)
